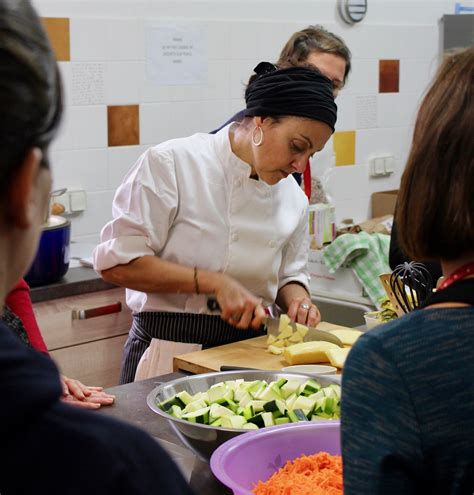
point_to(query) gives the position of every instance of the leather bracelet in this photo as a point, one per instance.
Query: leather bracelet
(196, 283)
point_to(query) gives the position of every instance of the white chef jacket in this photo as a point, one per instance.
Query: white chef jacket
(192, 201)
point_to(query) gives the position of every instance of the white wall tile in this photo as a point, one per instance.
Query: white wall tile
(125, 40)
(122, 82)
(347, 182)
(244, 41)
(346, 112)
(272, 36)
(393, 140)
(97, 214)
(88, 126)
(218, 86)
(218, 40)
(120, 161)
(417, 74)
(396, 109)
(162, 121)
(80, 169)
(240, 72)
(216, 114)
(89, 39)
(363, 78)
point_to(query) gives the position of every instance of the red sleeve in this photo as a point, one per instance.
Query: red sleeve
(19, 302)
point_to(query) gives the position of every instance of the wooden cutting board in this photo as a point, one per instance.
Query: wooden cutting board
(251, 353)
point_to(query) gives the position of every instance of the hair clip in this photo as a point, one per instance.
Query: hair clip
(265, 68)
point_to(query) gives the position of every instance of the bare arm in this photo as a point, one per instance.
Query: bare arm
(293, 298)
(152, 274)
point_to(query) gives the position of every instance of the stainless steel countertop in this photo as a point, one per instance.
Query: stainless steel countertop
(130, 406)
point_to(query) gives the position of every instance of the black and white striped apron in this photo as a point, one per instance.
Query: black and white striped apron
(190, 328)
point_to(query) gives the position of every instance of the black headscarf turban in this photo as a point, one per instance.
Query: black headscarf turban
(295, 91)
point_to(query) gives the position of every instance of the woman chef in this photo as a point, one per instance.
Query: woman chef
(219, 216)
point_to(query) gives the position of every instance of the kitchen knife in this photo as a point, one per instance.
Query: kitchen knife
(273, 324)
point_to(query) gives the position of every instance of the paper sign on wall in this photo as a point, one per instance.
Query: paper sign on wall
(177, 55)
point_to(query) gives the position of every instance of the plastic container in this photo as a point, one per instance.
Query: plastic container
(243, 461)
(311, 369)
(371, 320)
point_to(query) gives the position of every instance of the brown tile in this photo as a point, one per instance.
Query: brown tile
(123, 125)
(58, 33)
(389, 76)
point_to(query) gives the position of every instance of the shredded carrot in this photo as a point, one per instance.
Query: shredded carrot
(318, 474)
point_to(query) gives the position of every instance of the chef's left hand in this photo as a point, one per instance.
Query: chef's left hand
(302, 310)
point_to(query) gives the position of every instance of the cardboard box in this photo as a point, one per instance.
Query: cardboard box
(343, 281)
(383, 203)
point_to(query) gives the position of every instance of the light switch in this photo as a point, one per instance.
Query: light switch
(379, 166)
(389, 165)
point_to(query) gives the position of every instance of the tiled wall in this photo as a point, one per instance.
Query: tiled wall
(398, 39)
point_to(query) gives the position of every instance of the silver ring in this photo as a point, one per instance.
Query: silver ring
(236, 317)
(304, 306)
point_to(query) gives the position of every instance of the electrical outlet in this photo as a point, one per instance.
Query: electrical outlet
(381, 165)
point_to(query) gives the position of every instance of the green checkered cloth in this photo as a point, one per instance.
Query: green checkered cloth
(367, 255)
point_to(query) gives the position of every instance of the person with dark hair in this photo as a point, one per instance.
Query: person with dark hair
(48, 446)
(313, 46)
(217, 215)
(408, 389)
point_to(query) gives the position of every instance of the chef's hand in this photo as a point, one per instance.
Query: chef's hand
(239, 307)
(302, 310)
(78, 394)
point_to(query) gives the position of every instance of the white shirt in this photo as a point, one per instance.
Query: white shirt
(192, 201)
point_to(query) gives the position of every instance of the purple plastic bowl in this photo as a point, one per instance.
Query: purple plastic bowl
(243, 461)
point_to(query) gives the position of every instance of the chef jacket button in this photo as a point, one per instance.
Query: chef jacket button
(235, 236)
(238, 182)
(272, 244)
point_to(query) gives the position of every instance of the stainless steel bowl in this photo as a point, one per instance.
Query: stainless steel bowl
(204, 439)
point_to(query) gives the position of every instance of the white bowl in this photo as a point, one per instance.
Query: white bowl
(312, 369)
(371, 320)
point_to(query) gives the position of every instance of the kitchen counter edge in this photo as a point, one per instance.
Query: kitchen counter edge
(77, 281)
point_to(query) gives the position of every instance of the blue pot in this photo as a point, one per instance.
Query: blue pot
(52, 258)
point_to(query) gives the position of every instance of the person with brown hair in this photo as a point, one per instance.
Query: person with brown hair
(48, 446)
(408, 386)
(313, 46)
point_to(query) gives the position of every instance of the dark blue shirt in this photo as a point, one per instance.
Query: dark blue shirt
(48, 447)
(408, 406)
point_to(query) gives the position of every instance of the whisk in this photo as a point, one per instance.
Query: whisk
(412, 284)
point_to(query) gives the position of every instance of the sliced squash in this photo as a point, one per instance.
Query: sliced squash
(337, 357)
(347, 337)
(308, 352)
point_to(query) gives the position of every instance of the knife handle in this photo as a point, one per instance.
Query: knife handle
(236, 368)
(212, 304)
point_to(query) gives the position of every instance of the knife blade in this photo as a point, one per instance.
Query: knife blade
(273, 324)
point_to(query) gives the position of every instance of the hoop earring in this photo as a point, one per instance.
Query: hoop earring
(260, 138)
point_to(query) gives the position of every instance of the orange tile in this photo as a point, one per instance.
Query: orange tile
(389, 76)
(344, 147)
(123, 125)
(58, 33)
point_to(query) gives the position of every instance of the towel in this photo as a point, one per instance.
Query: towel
(367, 255)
